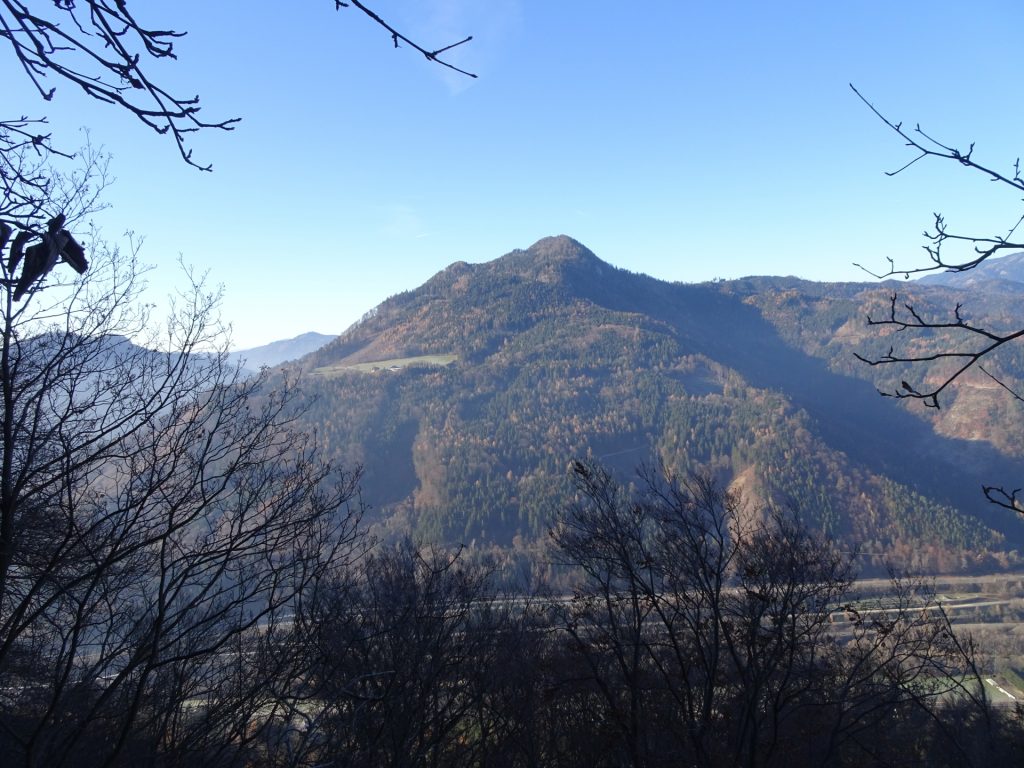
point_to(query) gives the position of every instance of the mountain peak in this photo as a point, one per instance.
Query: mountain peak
(560, 248)
(552, 260)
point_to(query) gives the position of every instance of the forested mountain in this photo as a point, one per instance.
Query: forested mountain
(467, 398)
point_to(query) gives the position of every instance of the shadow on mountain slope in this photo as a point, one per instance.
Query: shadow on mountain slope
(848, 413)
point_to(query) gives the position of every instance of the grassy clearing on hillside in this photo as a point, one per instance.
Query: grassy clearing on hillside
(1013, 677)
(383, 366)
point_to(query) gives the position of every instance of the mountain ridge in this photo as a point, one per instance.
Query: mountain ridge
(1008, 270)
(279, 351)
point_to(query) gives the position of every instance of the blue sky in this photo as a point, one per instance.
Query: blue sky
(686, 140)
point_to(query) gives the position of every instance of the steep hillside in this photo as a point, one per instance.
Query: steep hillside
(828, 321)
(467, 398)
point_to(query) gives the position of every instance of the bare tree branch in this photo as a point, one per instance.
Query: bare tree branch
(1013, 393)
(397, 36)
(983, 247)
(989, 343)
(970, 343)
(1003, 498)
(102, 48)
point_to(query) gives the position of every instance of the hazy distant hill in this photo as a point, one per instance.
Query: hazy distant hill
(1008, 269)
(467, 397)
(278, 352)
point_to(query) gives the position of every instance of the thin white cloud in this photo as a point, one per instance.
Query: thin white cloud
(402, 222)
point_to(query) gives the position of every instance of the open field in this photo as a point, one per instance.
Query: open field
(393, 364)
(1001, 692)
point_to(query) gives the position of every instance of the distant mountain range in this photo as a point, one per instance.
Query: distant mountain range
(466, 399)
(278, 352)
(1007, 270)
